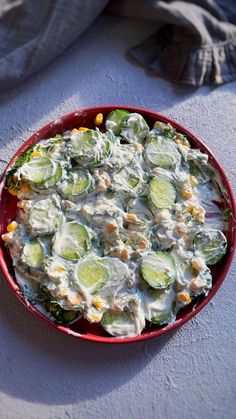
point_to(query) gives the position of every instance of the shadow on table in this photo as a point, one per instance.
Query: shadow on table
(38, 364)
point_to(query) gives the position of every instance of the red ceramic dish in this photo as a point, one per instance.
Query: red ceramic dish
(82, 329)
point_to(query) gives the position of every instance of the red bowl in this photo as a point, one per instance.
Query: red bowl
(82, 329)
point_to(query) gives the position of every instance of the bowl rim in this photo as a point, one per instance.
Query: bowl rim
(37, 136)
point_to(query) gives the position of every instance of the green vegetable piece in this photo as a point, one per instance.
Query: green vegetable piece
(89, 147)
(162, 192)
(78, 183)
(127, 179)
(51, 181)
(227, 214)
(92, 274)
(45, 216)
(161, 319)
(163, 153)
(158, 270)
(212, 244)
(198, 165)
(111, 317)
(60, 315)
(71, 241)
(134, 128)
(114, 120)
(33, 253)
(38, 169)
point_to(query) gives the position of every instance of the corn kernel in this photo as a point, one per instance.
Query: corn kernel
(117, 252)
(25, 187)
(199, 213)
(20, 204)
(60, 269)
(112, 227)
(97, 303)
(183, 297)
(186, 194)
(98, 119)
(107, 181)
(63, 293)
(197, 284)
(197, 264)
(36, 154)
(12, 226)
(143, 244)
(83, 129)
(132, 217)
(13, 191)
(181, 229)
(74, 131)
(193, 181)
(95, 317)
(178, 141)
(125, 254)
(74, 298)
(138, 147)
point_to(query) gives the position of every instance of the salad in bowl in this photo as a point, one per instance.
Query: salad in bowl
(117, 224)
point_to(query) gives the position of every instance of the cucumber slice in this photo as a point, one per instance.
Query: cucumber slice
(124, 323)
(162, 192)
(60, 315)
(77, 183)
(33, 253)
(127, 179)
(114, 119)
(89, 147)
(51, 181)
(45, 216)
(212, 244)
(92, 274)
(198, 165)
(134, 128)
(38, 170)
(158, 270)
(159, 306)
(163, 153)
(71, 241)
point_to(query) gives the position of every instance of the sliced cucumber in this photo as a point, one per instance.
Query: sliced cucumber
(127, 179)
(45, 216)
(33, 253)
(162, 192)
(163, 153)
(114, 119)
(52, 180)
(71, 241)
(77, 183)
(134, 128)
(159, 305)
(158, 270)
(38, 170)
(92, 274)
(123, 323)
(89, 147)
(198, 165)
(212, 244)
(115, 316)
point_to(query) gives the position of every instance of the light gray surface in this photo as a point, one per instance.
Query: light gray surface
(187, 374)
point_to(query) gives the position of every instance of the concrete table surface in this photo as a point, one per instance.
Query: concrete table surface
(188, 374)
